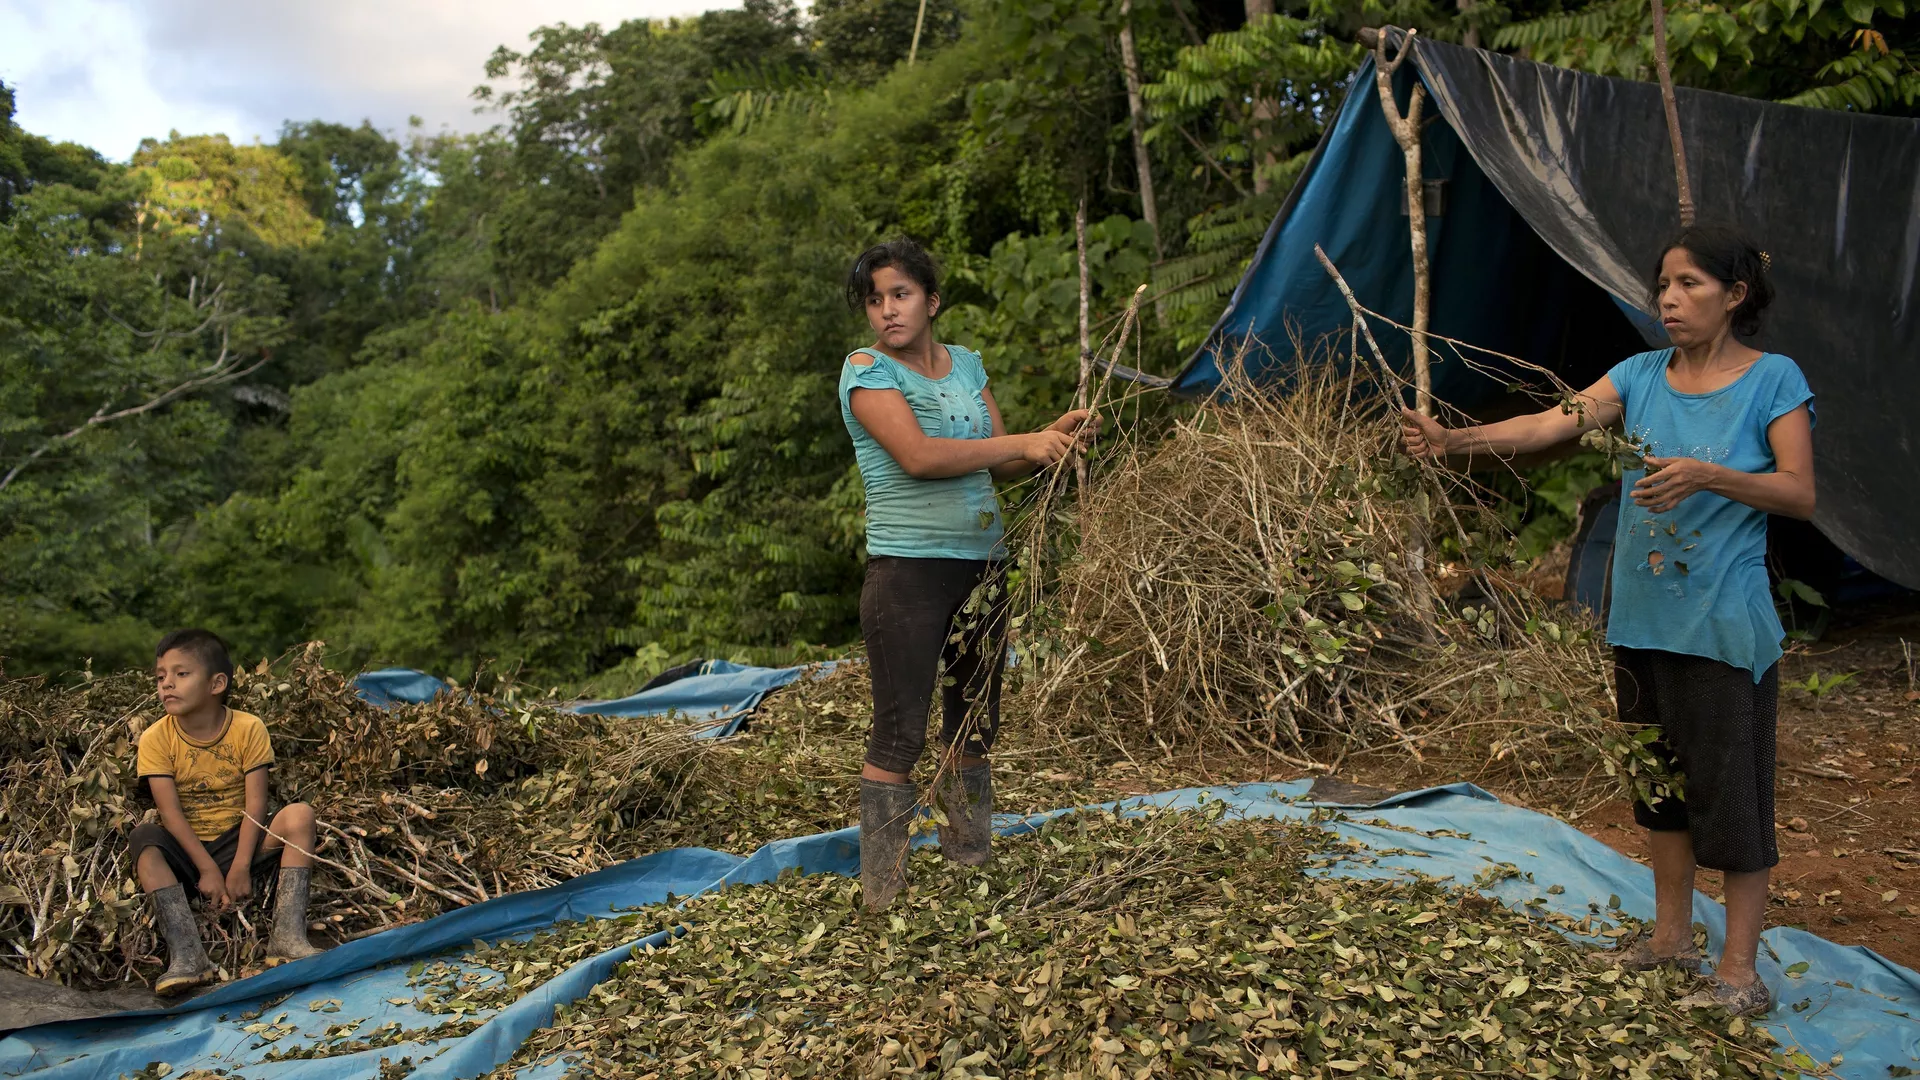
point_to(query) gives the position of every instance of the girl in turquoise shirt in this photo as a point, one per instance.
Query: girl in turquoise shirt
(1728, 432)
(930, 443)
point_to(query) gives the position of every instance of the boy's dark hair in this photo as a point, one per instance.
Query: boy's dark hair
(903, 255)
(206, 647)
(1730, 256)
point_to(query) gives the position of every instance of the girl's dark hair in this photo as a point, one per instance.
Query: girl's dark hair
(903, 255)
(1730, 256)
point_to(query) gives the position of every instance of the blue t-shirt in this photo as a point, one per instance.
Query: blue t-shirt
(1694, 580)
(957, 517)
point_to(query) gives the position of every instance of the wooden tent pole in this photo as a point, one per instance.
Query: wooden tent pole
(1406, 132)
(1673, 113)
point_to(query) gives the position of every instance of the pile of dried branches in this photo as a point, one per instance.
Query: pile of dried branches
(1252, 581)
(421, 807)
(1181, 944)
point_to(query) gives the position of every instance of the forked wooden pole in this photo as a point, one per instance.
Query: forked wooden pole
(1406, 132)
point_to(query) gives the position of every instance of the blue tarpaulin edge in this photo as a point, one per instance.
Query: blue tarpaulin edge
(720, 693)
(724, 693)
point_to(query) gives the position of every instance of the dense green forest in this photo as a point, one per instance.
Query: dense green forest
(560, 394)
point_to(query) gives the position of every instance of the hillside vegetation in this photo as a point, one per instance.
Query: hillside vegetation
(560, 394)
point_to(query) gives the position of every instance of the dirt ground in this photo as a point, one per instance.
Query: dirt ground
(1847, 814)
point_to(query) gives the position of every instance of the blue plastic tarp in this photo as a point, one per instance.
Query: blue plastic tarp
(398, 685)
(722, 694)
(719, 693)
(1495, 283)
(1851, 1001)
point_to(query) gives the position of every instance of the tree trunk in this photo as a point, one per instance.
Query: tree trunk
(1137, 111)
(1086, 339)
(919, 21)
(1673, 114)
(1264, 111)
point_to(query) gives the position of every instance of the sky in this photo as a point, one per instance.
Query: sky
(107, 73)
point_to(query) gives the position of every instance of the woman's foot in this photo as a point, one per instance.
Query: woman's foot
(885, 811)
(966, 798)
(1641, 955)
(1749, 999)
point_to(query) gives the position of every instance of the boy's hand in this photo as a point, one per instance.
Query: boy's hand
(239, 884)
(214, 887)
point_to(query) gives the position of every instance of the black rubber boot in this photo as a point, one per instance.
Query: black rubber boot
(885, 811)
(289, 938)
(966, 798)
(187, 965)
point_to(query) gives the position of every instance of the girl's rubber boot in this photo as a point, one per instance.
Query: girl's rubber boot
(187, 965)
(885, 812)
(966, 798)
(289, 938)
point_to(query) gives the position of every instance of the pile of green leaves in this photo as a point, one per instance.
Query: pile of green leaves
(1180, 943)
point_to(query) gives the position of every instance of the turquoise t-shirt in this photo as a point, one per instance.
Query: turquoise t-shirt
(953, 518)
(1694, 580)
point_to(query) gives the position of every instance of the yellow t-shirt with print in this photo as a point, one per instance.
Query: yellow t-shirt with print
(211, 776)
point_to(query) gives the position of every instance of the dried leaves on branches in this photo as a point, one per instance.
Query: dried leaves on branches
(1247, 581)
(422, 808)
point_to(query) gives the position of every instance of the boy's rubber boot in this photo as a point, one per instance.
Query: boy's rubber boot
(966, 798)
(187, 965)
(289, 938)
(885, 812)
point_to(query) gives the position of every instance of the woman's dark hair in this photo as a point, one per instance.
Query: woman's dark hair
(903, 255)
(1730, 256)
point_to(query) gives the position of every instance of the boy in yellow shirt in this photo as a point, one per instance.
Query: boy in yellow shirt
(206, 766)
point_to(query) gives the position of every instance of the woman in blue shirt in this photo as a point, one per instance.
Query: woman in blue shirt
(1728, 434)
(930, 443)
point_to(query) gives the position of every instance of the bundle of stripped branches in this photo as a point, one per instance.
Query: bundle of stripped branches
(422, 807)
(1271, 575)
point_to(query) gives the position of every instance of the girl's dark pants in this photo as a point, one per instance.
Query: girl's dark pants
(920, 628)
(1717, 728)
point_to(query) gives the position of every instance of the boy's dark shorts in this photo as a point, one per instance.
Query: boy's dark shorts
(1717, 727)
(222, 848)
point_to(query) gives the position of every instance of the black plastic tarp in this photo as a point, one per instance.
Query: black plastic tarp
(1584, 162)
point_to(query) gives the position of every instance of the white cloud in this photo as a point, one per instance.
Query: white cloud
(107, 73)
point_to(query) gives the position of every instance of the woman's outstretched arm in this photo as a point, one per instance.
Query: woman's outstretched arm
(1425, 437)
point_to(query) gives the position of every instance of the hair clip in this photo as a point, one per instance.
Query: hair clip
(1766, 262)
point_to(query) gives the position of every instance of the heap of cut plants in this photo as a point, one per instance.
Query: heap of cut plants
(422, 807)
(1271, 576)
(1180, 944)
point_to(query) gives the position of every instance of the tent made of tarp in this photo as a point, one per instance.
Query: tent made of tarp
(1556, 192)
